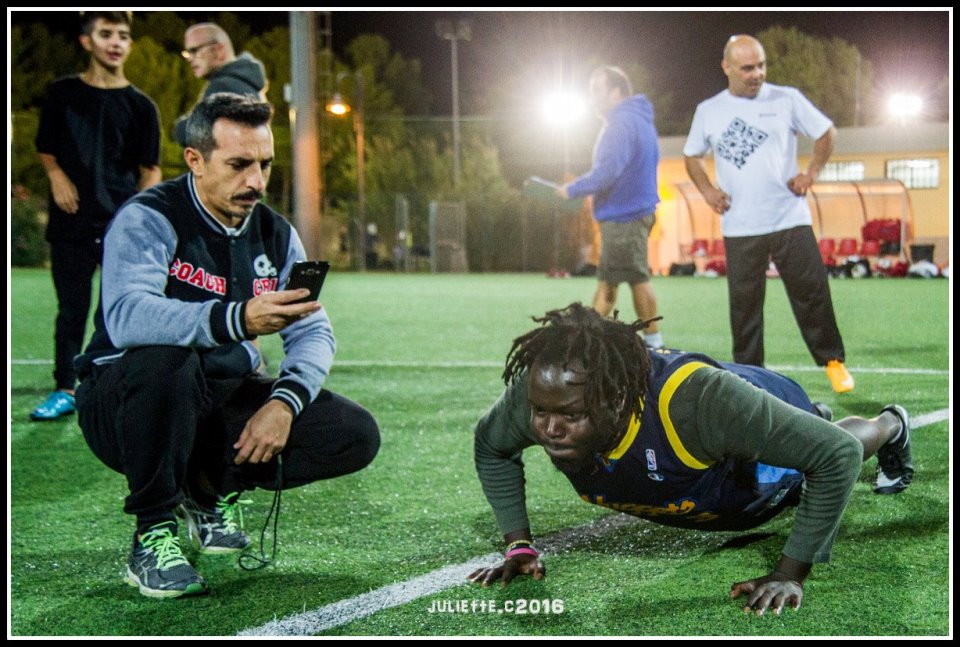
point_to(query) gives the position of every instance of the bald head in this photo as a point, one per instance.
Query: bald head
(745, 64)
(207, 47)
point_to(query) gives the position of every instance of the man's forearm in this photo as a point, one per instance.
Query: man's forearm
(49, 163)
(697, 171)
(822, 150)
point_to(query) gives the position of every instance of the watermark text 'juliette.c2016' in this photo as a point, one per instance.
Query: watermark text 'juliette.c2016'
(519, 607)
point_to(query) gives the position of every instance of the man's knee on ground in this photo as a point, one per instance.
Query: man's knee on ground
(366, 437)
(351, 444)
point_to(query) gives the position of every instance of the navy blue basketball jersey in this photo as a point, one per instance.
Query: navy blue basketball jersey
(650, 474)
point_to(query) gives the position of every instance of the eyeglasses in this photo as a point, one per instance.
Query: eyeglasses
(190, 52)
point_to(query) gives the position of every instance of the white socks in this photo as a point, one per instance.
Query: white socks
(653, 340)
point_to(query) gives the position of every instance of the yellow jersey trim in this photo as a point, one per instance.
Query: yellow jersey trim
(628, 438)
(671, 386)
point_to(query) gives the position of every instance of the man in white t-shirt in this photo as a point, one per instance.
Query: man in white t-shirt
(751, 127)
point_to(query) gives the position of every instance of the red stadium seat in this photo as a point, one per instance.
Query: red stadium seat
(870, 248)
(827, 247)
(848, 247)
(699, 247)
(717, 249)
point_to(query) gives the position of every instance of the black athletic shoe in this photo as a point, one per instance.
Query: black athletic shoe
(218, 529)
(894, 461)
(157, 566)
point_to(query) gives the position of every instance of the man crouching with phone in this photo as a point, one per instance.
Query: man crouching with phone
(170, 396)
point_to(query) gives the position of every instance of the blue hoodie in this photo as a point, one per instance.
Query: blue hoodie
(623, 179)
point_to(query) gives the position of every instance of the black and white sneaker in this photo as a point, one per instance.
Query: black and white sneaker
(158, 568)
(218, 529)
(894, 461)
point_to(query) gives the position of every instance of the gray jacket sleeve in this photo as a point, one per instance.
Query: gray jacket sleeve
(138, 250)
(308, 346)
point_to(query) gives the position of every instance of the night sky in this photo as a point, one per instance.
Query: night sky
(680, 50)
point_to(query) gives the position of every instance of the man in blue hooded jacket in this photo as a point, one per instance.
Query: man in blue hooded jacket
(623, 182)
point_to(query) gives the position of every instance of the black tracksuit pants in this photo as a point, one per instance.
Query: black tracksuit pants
(797, 257)
(72, 265)
(154, 417)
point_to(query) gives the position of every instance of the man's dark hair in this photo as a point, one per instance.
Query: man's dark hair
(88, 18)
(615, 78)
(244, 109)
(612, 353)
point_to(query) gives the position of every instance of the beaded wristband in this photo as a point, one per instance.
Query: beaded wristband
(519, 542)
(521, 551)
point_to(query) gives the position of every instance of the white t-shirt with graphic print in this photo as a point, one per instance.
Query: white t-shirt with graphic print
(754, 143)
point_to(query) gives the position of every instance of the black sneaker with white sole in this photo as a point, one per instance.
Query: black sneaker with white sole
(216, 530)
(157, 566)
(894, 460)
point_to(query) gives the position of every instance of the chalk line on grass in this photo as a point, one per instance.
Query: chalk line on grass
(332, 615)
(387, 363)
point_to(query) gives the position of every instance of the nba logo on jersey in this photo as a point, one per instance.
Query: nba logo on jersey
(651, 460)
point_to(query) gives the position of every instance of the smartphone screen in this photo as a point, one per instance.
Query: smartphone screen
(310, 275)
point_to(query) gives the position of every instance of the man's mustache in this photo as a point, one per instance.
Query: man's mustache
(249, 195)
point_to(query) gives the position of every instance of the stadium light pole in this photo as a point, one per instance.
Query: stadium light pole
(307, 176)
(339, 107)
(462, 31)
(561, 109)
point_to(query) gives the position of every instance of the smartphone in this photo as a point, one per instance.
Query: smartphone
(308, 274)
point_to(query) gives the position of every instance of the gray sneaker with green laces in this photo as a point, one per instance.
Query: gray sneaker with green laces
(157, 566)
(219, 529)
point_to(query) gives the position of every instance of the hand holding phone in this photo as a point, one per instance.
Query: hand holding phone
(310, 275)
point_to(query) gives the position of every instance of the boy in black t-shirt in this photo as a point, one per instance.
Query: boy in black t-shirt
(99, 143)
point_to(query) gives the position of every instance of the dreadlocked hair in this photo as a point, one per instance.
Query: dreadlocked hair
(611, 352)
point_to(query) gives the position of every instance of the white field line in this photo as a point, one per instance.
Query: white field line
(310, 623)
(378, 363)
(931, 418)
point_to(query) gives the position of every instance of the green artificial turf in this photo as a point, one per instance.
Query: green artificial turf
(424, 354)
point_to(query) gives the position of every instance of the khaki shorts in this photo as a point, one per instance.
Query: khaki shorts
(623, 255)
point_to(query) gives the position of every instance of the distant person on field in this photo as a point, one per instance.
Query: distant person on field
(209, 51)
(678, 439)
(99, 143)
(623, 183)
(752, 129)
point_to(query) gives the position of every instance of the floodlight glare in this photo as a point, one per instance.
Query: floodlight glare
(561, 108)
(905, 105)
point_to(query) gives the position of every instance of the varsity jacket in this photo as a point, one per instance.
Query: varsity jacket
(174, 275)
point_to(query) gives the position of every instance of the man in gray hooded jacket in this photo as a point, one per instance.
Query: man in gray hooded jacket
(209, 51)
